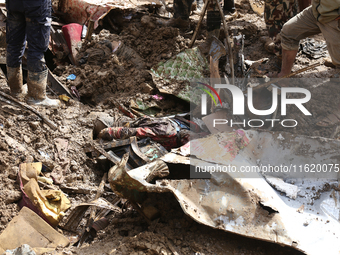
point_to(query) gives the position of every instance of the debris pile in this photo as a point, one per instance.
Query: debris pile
(139, 160)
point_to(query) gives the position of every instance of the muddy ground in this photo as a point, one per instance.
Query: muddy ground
(126, 78)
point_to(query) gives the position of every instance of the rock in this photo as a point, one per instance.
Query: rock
(146, 21)
(24, 249)
(13, 173)
(3, 146)
(150, 212)
(11, 196)
(146, 88)
(34, 125)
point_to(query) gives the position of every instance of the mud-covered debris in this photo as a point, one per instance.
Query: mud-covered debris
(24, 249)
(51, 205)
(72, 33)
(173, 76)
(34, 231)
(165, 131)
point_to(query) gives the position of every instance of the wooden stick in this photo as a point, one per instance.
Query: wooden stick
(229, 49)
(90, 29)
(193, 39)
(23, 105)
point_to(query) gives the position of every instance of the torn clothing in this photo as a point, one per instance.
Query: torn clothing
(169, 133)
(305, 24)
(28, 20)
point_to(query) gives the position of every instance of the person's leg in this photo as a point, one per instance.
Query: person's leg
(303, 4)
(277, 13)
(331, 33)
(38, 29)
(299, 27)
(288, 58)
(182, 9)
(229, 6)
(15, 38)
(15, 34)
(38, 16)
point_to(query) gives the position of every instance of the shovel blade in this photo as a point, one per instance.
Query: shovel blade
(217, 49)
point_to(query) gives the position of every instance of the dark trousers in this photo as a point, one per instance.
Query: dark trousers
(28, 20)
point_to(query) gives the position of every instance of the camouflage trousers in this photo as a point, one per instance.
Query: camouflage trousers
(277, 13)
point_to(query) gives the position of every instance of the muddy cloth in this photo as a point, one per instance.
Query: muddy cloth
(164, 131)
(314, 49)
(304, 25)
(28, 20)
(277, 13)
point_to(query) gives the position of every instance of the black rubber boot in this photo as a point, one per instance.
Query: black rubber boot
(182, 9)
(229, 7)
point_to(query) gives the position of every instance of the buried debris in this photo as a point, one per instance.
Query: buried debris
(240, 200)
(51, 124)
(173, 76)
(51, 205)
(34, 231)
(169, 133)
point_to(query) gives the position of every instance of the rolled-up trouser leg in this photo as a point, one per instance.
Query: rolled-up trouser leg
(297, 28)
(38, 32)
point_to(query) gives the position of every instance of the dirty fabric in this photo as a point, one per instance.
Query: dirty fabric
(31, 21)
(160, 130)
(169, 133)
(277, 13)
(314, 49)
(51, 205)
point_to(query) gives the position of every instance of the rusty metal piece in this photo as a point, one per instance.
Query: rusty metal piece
(100, 224)
(90, 221)
(78, 213)
(243, 202)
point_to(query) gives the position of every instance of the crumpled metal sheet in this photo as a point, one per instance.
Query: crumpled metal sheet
(80, 11)
(173, 76)
(245, 203)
